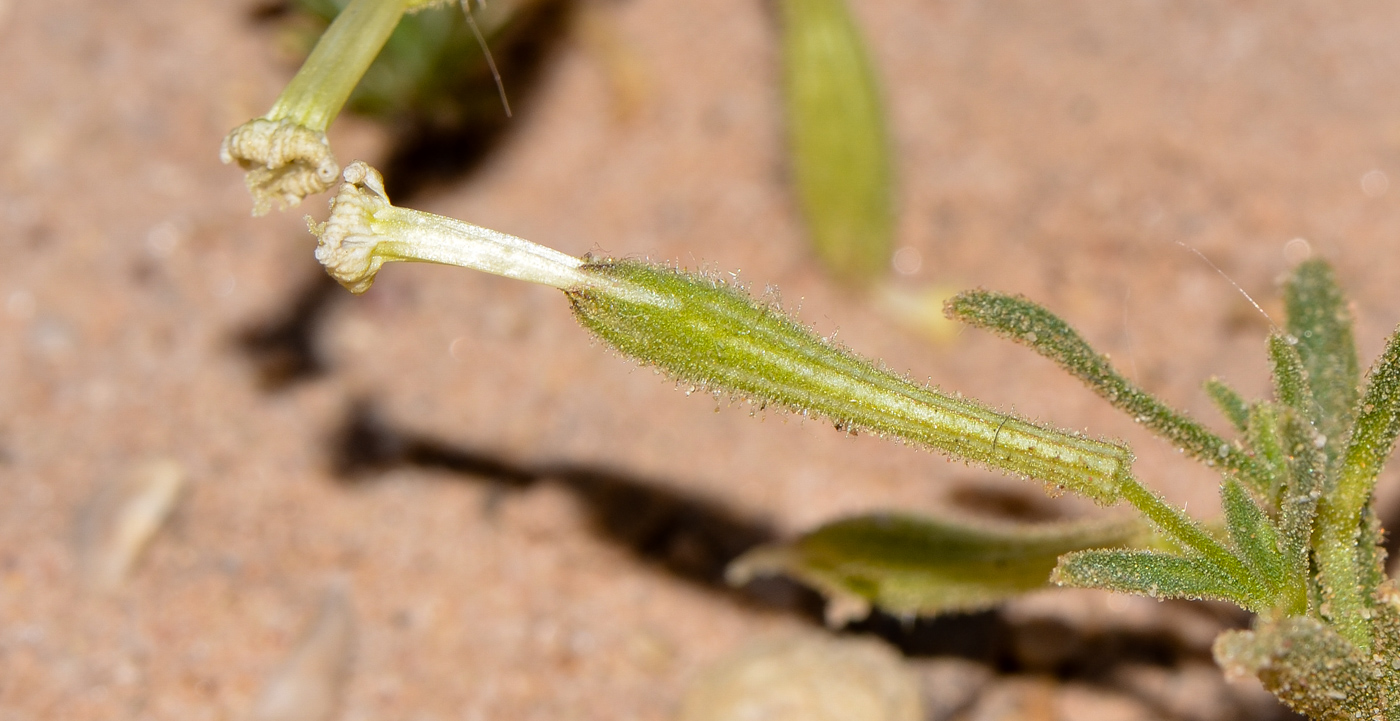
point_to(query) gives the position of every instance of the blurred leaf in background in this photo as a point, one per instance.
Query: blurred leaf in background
(919, 566)
(840, 149)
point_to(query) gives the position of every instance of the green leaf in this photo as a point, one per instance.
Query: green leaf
(1320, 320)
(1023, 321)
(1377, 423)
(1265, 439)
(911, 565)
(1253, 533)
(1291, 386)
(836, 129)
(1304, 485)
(716, 337)
(1341, 510)
(1308, 666)
(1148, 573)
(1231, 405)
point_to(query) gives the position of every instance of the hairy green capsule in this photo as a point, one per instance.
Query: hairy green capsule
(715, 336)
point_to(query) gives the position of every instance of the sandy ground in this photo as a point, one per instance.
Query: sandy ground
(525, 526)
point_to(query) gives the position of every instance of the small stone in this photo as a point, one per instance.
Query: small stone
(806, 678)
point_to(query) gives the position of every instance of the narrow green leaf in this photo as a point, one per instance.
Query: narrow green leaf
(1377, 423)
(1197, 541)
(1341, 509)
(836, 127)
(910, 565)
(1253, 533)
(1147, 573)
(1320, 320)
(1231, 405)
(1305, 479)
(716, 337)
(1308, 666)
(1291, 386)
(1021, 320)
(1265, 439)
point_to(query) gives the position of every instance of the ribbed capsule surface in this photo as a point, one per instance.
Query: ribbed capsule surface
(716, 336)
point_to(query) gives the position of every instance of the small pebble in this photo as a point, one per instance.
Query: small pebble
(807, 678)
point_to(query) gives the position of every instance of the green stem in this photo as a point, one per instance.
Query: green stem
(1186, 531)
(315, 96)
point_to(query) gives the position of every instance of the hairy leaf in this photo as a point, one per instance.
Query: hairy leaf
(1147, 573)
(1341, 510)
(1027, 323)
(1266, 440)
(1291, 386)
(1253, 533)
(1308, 666)
(1298, 503)
(1231, 405)
(1320, 321)
(836, 127)
(912, 565)
(715, 336)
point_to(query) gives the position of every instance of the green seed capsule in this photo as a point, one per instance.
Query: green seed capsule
(714, 335)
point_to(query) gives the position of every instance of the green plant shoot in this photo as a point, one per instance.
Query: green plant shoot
(1300, 546)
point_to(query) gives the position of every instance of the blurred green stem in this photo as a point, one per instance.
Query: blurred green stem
(315, 96)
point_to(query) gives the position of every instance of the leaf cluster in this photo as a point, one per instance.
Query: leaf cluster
(1296, 492)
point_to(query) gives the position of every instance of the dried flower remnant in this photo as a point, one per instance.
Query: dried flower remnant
(285, 153)
(285, 162)
(365, 231)
(123, 517)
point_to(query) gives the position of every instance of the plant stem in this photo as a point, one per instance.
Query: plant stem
(320, 88)
(365, 231)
